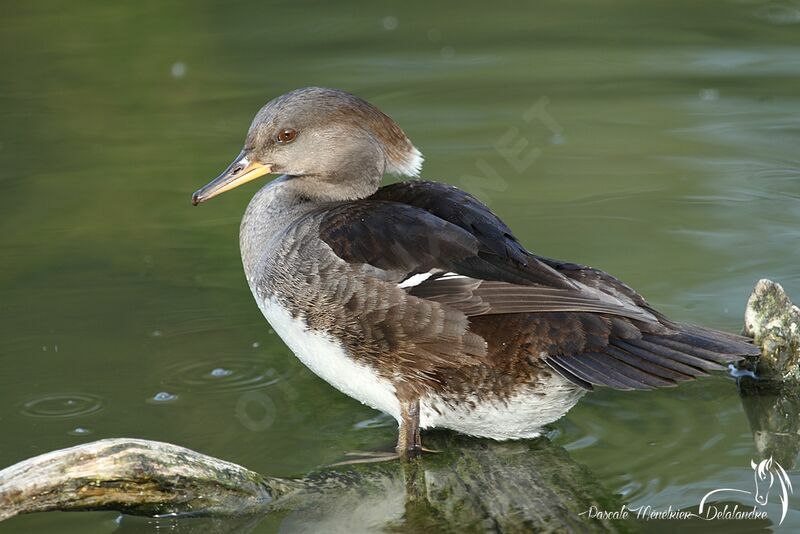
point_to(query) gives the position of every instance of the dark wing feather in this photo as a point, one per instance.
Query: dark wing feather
(677, 353)
(478, 297)
(395, 238)
(602, 281)
(460, 208)
(630, 355)
(497, 244)
(591, 349)
(406, 240)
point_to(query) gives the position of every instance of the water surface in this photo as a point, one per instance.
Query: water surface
(657, 141)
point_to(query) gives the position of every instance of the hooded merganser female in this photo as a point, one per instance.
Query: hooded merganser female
(417, 300)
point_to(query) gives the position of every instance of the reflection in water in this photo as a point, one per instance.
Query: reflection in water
(471, 485)
(381, 420)
(773, 411)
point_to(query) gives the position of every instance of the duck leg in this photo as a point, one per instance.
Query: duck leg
(409, 444)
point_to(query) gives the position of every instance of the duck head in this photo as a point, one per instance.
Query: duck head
(331, 145)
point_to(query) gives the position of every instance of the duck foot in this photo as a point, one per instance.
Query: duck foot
(367, 457)
(409, 444)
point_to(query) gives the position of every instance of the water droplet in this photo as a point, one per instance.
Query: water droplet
(156, 333)
(219, 372)
(178, 69)
(739, 373)
(163, 396)
(79, 431)
(390, 23)
(709, 95)
(256, 344)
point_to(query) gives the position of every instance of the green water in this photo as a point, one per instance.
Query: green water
(662, 146)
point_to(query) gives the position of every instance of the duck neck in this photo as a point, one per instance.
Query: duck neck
(272, 209)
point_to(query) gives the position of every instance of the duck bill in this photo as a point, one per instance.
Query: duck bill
(239, 172)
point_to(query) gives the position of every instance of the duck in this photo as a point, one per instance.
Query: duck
(417, 300)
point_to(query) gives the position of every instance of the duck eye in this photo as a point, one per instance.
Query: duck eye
(286, 135)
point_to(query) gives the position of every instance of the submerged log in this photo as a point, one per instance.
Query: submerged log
(470, 485)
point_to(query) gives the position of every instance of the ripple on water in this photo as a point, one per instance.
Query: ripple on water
(67, 405)
(224, 375)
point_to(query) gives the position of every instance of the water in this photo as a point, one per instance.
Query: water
(656, 141)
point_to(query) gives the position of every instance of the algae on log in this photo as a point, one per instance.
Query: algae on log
(774, 324)
(471, 485)
(773, 412)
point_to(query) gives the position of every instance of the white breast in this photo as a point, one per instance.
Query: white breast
(327, 359)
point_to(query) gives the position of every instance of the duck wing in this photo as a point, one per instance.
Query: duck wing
(442, 245)
(456, 252)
